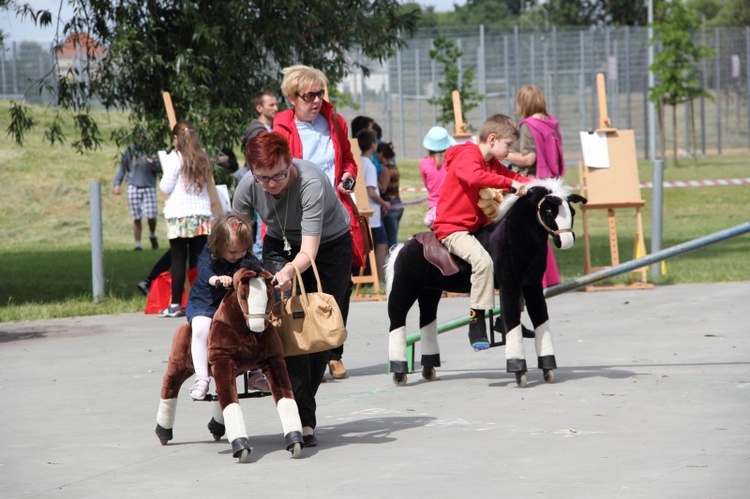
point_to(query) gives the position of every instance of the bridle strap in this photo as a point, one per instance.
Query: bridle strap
(544, 225)
(258, 316)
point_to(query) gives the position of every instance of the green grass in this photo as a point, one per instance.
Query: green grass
(45, 257)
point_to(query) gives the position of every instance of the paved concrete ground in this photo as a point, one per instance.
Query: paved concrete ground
(651, 400)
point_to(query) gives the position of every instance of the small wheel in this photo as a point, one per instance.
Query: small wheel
(549, 375)
(163, 441)
(217, 437)
(521, 379)
(399, 379)
(296, 451)
(245, 456)
(429, 373)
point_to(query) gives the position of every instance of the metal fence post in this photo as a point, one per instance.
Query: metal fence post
(657, 213)
(717, 38)
(97, 254)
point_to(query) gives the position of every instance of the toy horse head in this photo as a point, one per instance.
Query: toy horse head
(255, 297)
(554, 211)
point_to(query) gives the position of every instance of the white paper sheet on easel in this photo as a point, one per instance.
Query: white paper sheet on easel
(594, 146)
(223, 192)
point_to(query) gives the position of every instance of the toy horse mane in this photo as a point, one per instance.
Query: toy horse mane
(554, 185)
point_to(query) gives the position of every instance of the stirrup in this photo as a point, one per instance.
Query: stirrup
(200, 388)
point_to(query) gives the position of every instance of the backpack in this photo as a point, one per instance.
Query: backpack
(549, 148)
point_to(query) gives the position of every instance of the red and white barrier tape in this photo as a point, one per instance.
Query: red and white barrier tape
(644, 185)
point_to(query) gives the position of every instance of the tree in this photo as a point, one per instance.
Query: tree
(674, 64)
(488, 12)
(212, 56)
(603, 13)
(733, 13)
(447, 53)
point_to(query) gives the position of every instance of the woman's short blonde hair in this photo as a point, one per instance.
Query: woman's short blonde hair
(298, 79)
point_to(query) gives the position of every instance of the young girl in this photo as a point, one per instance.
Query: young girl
(187, 208)
(229, 248)
(436, 142)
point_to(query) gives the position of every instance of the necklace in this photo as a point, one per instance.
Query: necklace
(287, 246)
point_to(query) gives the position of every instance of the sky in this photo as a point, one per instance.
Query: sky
(16, 30)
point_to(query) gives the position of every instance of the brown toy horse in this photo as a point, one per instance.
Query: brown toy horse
(241, 339)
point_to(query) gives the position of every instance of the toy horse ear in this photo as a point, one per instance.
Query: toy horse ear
(577, 198)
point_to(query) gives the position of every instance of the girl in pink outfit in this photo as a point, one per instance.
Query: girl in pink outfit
(432, 167)
(538, 152)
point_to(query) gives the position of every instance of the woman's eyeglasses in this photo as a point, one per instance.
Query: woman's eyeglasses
(262, 179)
(311, 96)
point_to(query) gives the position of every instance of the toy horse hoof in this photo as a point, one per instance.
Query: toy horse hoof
(521, 379)
(164, 434)
(399, 379)
(549, 375)
(241, 449)
(217, 429)
(296, 451)
(429, 373)
(293, 440)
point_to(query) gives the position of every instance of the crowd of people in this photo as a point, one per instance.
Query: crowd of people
(293, 204)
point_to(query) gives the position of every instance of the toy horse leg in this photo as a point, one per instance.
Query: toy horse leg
(165, 419)
(400, 300)
(544, 352)
(283, 394)
(216, 425)
(236, 431)
(291, 425)
(179, 369)
(537, 307)
(428, 305)
(515, 358)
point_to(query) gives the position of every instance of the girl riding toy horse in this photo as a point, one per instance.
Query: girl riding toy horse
(242, 338)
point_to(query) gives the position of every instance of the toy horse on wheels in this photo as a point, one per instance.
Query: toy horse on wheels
(242, 338)
(517, 243)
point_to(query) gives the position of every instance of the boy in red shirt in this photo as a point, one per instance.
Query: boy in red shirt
(471, 167)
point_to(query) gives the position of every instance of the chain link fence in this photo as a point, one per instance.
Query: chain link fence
(562, 61)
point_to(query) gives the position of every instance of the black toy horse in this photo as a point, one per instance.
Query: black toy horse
(517, 243)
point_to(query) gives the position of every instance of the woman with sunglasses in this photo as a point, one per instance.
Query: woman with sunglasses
(305, 221)
(317, 134)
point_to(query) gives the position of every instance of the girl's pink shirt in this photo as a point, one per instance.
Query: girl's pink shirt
(432, 178)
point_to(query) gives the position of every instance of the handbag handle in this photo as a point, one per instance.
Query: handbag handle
(298, 276)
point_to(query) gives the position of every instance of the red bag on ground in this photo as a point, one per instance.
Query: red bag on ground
(160, 292)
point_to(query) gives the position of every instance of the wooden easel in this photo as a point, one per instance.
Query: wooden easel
(460, 133)
(613, 188)
(363, 205)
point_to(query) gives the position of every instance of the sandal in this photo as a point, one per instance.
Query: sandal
(200, 387)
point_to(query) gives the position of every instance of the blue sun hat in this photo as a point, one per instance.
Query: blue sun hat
(438, 139)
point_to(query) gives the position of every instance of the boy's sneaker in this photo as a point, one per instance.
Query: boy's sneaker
(144, 286)
(172, 311)
(154, 242)
(478, 331)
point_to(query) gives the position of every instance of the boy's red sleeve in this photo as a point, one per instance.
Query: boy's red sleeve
(470, 171)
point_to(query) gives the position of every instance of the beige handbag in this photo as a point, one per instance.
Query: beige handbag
(308, 322)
